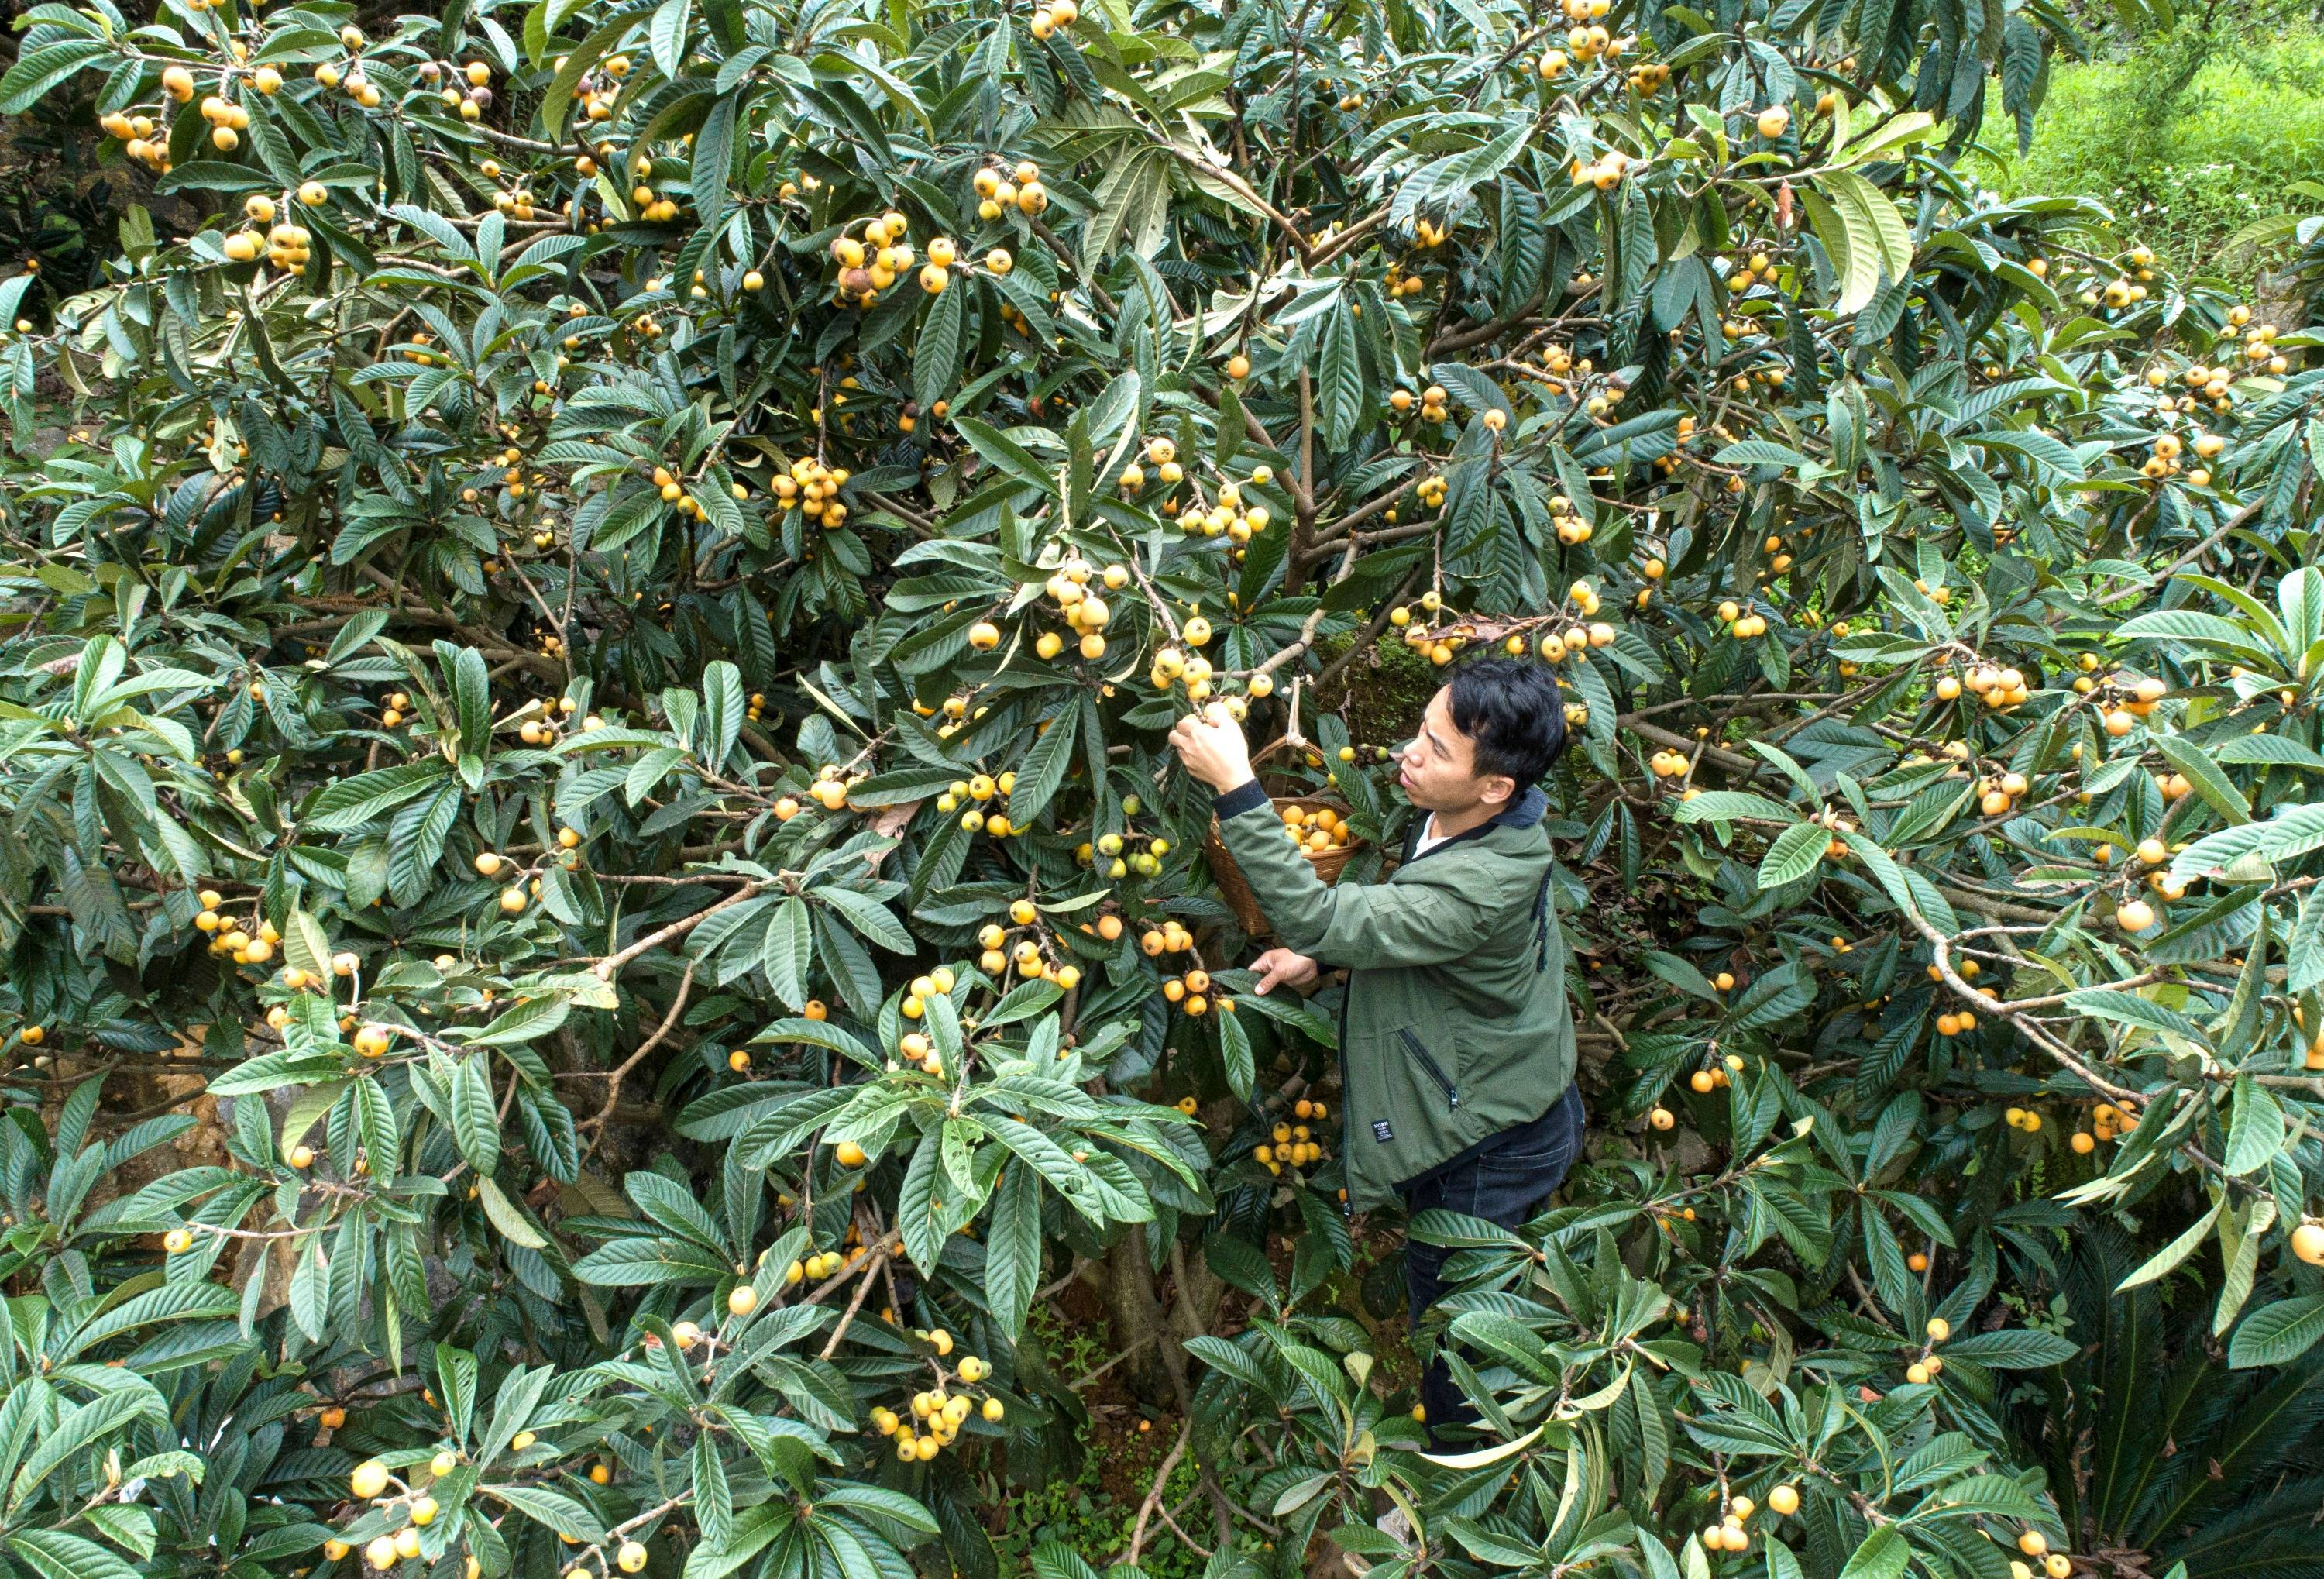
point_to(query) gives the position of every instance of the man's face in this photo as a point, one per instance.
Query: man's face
(1438, 769)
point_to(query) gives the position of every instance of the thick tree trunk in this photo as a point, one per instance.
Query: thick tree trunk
(1139, 1322)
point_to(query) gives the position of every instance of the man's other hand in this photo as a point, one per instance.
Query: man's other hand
(1212, 745)
(1281, 967)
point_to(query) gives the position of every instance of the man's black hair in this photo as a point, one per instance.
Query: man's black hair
(1514, 715)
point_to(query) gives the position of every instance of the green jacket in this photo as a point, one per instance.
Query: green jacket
(1455, 1024)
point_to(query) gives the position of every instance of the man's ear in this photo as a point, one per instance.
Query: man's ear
(1497, 790)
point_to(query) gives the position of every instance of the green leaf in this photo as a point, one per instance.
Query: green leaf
(552, 1510)
(53, 1555)
(1883, 1555)
(639, 1262)
(1235, 1049)
(508, 1217)
(1045, 766)
(2215, 787)
(1726, 805)
(2255, 1129)
(77, 1429)
(788, 952)
(1005, 452)
(1012, 1248)
(723, 705)
(2277, 1334)
(2013, 1349)
(920, 1217)
(1795, 852)
(472, 688)
(527, 1020)
(476, 1128)
(353, 802)
(2172, 1254)
(36, 74)
(935, 355)
(1339, 383)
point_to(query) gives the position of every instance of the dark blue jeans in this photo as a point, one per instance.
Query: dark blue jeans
(1505, 1181)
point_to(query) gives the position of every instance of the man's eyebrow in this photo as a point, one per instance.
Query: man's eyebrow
(1432, 738)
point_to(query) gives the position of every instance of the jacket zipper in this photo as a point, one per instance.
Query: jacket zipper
(1347, 1101)
(1452, 1095)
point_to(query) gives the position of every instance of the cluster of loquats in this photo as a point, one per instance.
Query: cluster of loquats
(979, 794)
(1173, 669)
(298, 979)
(1728, 1535)
(1398, 282)
(1118, 859)
(1170, 937)
(655, 207)
(676, 494)
(831, 1264)
(998, 191)
(1030, 955)
(873, 261)
(597, 94)
(544, 727)
(1085, 609)
(2035, 1545)
(284, 245)
(1997, 688)
(1557, 646)
(1431, 409)
(812, 488)
(2126, 700)
(936, 1416)
(1718, 1076)
(1190, 993)
(245, 945)
(1605, 171)
(135, 132)
(829, 790)
(1227, 514)
(1293, 1145)
(516, 896)
(1587, 40)
(1573, 529)
(404, 1504)
(2213, 385)
(1048, 19)
(1670, 764)
(1920, 1371)
(1742, 626)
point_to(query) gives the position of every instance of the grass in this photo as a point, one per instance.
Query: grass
(2186, 140)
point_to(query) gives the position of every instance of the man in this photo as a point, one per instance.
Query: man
(1456, 1042)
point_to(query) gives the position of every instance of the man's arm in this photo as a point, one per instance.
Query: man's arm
(1357, 926)
(1360, 927)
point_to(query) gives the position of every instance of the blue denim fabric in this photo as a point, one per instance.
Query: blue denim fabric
(1507, 1183)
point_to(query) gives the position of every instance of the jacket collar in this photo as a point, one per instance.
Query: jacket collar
(1527, 811)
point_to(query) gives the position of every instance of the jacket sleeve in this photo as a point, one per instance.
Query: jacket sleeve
(1355, 926)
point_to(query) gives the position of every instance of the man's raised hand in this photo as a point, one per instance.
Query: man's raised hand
(1212, 747)
(1282, 967)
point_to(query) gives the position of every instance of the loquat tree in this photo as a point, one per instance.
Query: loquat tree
(603, 949)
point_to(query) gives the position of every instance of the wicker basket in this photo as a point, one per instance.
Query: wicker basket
(1328, 864)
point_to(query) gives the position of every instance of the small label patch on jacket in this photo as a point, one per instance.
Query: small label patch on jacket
(1380, 1131)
